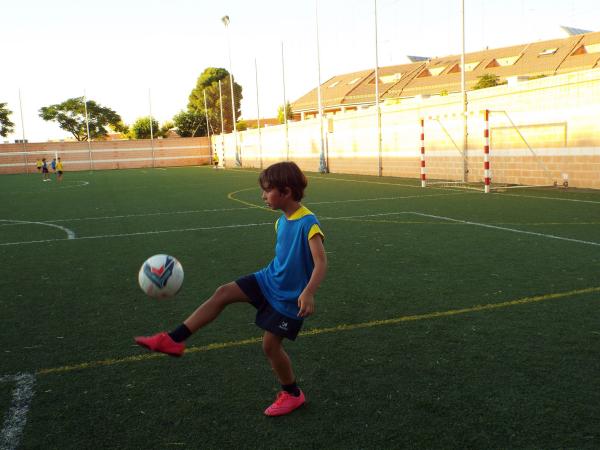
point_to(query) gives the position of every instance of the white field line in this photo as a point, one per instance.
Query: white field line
(81, 183)
(552, 198)
(199, 211)
(142, 233)
(222, 227)
(125, 216)
(16, 418)
(70, 233)
(513, 230)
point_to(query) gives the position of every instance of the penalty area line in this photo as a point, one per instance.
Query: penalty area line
(16, 418)
(319, 331)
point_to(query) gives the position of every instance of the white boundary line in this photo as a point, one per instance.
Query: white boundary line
(514, 230)
(552, 198)
(198, 211)
(70, 233)
(222, 227)
(16, 418)
(141, 233)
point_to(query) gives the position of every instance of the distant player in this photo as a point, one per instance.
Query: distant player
(59, 170)
(53, 165)
(283, 292)
(38, 164)
(45, 175)
(215, 160)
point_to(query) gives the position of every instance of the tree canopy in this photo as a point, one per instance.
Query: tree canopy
(487, 80)
(6, 126)
(288, 112)
(190, 124)
(208, 82)
(70, 116)
(140, 129)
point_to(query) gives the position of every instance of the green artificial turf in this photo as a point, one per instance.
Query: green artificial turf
(523, 375)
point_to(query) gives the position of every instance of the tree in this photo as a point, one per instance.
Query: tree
(70, 116)
(487, 80)
(208, 82)
(6, 126)
(141, 128)
(190, 124)
(288, 110)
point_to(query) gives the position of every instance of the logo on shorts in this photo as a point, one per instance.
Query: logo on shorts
(283, 325)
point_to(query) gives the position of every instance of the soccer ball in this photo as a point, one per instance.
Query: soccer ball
(161, 276)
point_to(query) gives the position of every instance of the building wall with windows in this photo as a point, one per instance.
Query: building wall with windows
(541, 131)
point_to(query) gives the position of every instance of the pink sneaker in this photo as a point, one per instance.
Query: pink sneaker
(161, 342)
(285, 404)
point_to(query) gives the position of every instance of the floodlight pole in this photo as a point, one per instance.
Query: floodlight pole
(87, 126)
(322, 161)
(151, 126)
(464, 95)
(285, 112)
(23, 134)
(207, 124)
(377, 105)
(238, 159)
(258, 115)
(222, 135)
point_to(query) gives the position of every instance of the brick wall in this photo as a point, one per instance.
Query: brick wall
(16, 158)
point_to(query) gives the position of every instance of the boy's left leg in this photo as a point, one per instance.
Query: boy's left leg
(291, 397)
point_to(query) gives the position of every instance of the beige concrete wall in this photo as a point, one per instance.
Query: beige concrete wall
(16, 158)
(558, 118)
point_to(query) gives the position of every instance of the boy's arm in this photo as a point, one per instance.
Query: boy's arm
(306, 301)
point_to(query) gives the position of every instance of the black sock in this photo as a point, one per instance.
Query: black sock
(291, 389)
(181, 333)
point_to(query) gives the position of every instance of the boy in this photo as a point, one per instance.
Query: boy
(283, 292)
(38, 164)
(59, 170)
(215, 160)
(45, 170)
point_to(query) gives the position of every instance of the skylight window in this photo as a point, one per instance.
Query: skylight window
(385, 79)
(592, 48)
(355, 80)
(435, 71)
(469, 67)
(334, 84)
(502, 62)
(548, 51)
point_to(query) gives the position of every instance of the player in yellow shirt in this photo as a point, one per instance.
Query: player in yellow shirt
(59, 170)
(215, 160)
(38, 164)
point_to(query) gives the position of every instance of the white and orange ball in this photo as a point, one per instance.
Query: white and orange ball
(161, 276)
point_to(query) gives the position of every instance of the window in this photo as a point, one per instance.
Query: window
(435, 71)
(469, 67)
(548, 51)
(334, 84)
(385, 79)
(355, 80)
(592, 48)
(501, 62)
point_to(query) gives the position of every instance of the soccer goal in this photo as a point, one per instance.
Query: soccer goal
(506, 157)
(443, 161)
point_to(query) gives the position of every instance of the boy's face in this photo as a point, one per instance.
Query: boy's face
(275, 199)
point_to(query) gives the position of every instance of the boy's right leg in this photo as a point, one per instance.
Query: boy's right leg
(172, 343)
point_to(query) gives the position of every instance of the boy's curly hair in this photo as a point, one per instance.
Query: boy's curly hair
(284, 175)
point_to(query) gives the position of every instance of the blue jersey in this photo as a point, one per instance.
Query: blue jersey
(284, 279)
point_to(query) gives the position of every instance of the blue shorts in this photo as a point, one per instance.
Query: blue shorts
(267, 317)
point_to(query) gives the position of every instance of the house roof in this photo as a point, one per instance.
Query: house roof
(437, 75)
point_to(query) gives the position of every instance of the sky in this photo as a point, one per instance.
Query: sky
(130, 55)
